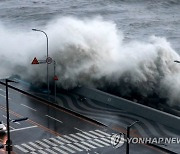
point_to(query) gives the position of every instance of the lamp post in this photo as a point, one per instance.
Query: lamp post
(47, 58)
(128, 135)
(8, 142)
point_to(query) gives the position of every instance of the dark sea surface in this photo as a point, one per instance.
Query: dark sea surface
(138, 19)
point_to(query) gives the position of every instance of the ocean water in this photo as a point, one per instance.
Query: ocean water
(137, 19)
(126, 46)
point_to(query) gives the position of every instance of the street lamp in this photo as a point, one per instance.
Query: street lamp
(9, 142)
(46, 59)
(128, 135)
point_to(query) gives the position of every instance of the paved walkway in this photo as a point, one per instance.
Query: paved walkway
(120, 119)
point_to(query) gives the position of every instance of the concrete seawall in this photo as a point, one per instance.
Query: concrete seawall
(129, 106)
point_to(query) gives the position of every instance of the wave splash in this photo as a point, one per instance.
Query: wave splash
(92, 52)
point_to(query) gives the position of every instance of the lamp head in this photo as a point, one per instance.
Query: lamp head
(176, 61)
(34, 29)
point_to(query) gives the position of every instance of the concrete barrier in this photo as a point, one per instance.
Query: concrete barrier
(129, 106)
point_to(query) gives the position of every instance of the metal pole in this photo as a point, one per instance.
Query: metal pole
(47, 57)
(47, 66)
(54, 81)
(128, 135)
(8, 142)
(127, 143)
